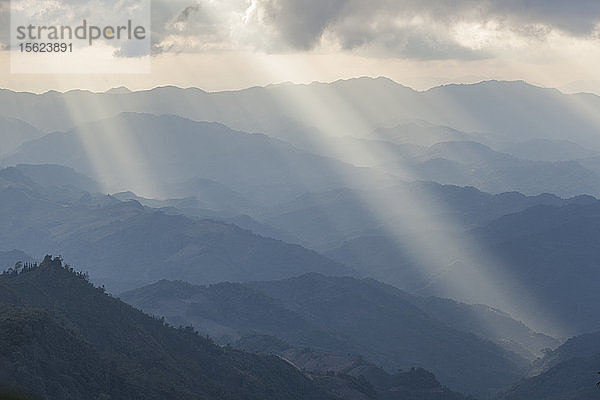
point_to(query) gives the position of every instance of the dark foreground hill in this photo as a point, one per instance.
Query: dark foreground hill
(62, 338)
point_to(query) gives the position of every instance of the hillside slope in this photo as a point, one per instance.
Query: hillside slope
(69, 340)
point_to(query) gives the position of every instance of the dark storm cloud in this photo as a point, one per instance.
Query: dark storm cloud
(357, 23)
(301, 23)
(387, 40)
(578, 17)
(370, 24)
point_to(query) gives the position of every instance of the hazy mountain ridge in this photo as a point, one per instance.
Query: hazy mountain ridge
(456, 157)
(100, 231)
(543, 250)
(421, 133)
(353, 307)
(482, 320)
(385, 327)
(139, 245)
(549, 150)
(195, 208)
(510, 109)
(14, 132)
(574, 379)
(374, 109)
(171, 150)
(58, 177)
(326, 220)
(229, 311)
(582, 346)
(551, 251)
(470, 163)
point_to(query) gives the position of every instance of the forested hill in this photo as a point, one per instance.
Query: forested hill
(67, 339)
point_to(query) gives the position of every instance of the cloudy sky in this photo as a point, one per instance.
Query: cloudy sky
(229, 44)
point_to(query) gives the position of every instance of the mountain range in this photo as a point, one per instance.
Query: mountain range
(155, 154)
(509, 110)
(100, 232)
(263, 216)
(377, 121)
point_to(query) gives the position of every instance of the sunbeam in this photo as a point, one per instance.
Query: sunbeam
(446, 256)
